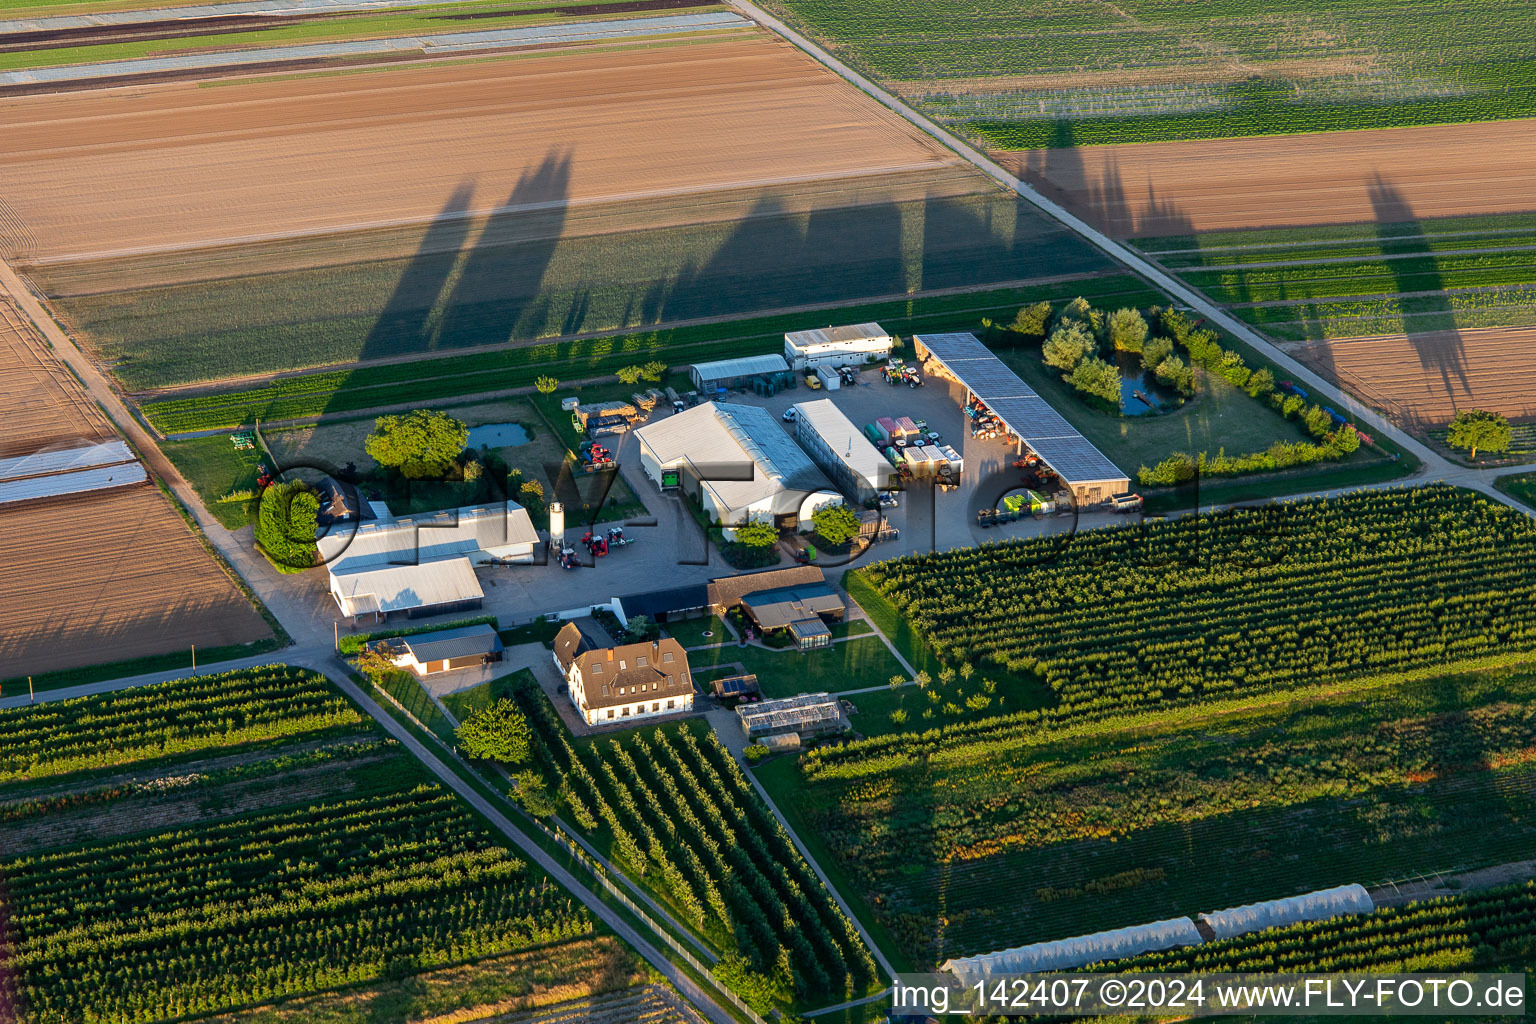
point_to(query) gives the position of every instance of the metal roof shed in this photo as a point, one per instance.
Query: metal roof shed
(842, 450)
(836, 346)
(1088, 472)
(725, 373)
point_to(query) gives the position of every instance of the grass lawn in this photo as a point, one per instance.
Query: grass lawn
(1522, 487)
(407, 689)
(215, 467)
(690, 632)
(540, 631)
(461, 703)
(851, 665)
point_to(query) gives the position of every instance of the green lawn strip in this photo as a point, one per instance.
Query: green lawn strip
(850, 627)
(1350, 280)
(407, 689)
(441, 377)
(1424, 231)
(1302, 480)
(216, 468)
(848, 665)
(462, 703)
(1343, 252)
(364, 26)
(540, 631)
(780, 776)
(690, 632)
(1521, 487)
(1259, 803)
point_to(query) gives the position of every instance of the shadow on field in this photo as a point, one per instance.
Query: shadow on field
(1059, 172)
(1442, 352)
(404, 322)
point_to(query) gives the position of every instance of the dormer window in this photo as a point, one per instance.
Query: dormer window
(666, 657)
(642, 661)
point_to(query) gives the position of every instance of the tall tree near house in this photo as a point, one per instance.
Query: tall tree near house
(1478, 428)
(421, 444)
(498, 733)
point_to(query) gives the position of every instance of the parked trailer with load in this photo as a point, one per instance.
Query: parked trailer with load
(1125, 502)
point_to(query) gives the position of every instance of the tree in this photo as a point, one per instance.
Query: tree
(837, 524)
(1317, 422)
(757, 533)
(966, 671)
(1097, 378)
(1154, 351)
(643, 627)
(285, 525)
(1176, 374)
(1476, 428)
(654, 370)
(1068, 345)
(534, 795)
(1032, 320)
(498, 732)
(1127, 330)
(373, 664)
(898, 717)
(530, 495)
(545, 384)
(630, 374)
(421, 444)
(1079, 311)
(1261, 383)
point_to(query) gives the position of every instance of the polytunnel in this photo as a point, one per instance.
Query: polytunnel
(1312, 906)
(1079, 951)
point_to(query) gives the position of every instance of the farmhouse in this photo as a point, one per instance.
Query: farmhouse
(855, 465)
(836, 346)
(609, 685)
(444, 650)
(1084, 470)
(742, 372)
(736, 461)
(422, 564)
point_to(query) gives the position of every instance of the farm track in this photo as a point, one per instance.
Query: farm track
(192, 167)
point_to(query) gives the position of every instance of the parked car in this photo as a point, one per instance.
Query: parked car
(790, 414)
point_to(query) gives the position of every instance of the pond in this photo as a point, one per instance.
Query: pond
(1140, 393)
(497, 435)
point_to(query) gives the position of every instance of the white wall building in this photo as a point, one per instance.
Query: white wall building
(837, 346)
(735, 458)
(841, 450)
(617, 685)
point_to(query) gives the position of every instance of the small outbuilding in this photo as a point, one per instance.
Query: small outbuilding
(736, 686)
(741, 372)
(445, 650)
(783, 606)
(810, 634)
(837, 346)
(807, 714)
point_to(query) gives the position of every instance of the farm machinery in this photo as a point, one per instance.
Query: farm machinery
(594, 456)
(897, 373)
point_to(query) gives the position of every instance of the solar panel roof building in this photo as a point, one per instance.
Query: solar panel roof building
(1089, 473)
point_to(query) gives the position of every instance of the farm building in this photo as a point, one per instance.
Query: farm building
(855, 466)
(444, 650)
(726, 592)
(807, 714)
(74, 470)
(1086, 471)
(800, 609)
(837, 346)
(736, 686)
(741, 372)
(664, 605)
(609, 685)
(422, 564)
(736, 461)
(1078, 951)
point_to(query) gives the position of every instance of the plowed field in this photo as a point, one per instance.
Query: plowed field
(110, 576)
(41, 405)
(1422, 379)
(156, 168)
(1393, 175)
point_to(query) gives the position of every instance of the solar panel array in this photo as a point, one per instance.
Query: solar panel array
(1042, 428)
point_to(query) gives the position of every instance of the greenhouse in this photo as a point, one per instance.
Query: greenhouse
(1313, 906)
(1079, 951)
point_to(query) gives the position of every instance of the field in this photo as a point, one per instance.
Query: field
(218, 470)
(713, 178)
(111, 576)
(846, 665)
(1523, 488)
(234, 840)
(435, 379)
(671, 808)
(989, 835)
(1019, 74)
(41, 405)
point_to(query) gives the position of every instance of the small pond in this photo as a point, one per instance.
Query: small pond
(1140, 393)
(497, 435)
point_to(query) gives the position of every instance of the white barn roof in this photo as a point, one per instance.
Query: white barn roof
(846, 441)
(1078, 951)
(1313, 906)
(398, 588)
(1045, 430)
(729, 440)
(824, 336)
(427, 537)
(743, 366)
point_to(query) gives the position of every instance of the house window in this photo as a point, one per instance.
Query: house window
(656, 707)
(671, 704)
(626, 711)
(622, 690)
(666, 657)
(610, 712)
(622, 666)
(642, 661)
(597, 669)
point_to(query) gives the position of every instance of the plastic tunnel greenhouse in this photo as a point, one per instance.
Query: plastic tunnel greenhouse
(1079, 951)
(1313, 906)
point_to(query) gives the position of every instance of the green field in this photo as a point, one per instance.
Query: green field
(216, 469)
(1149, 70)
(846, 665)
(522, 277)
(990, 835)
(439, 378)
(1351, 281)
(230, 841)
(1521, 488)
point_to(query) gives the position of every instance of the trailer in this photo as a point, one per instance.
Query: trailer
(1125, 503)
(830, 378)
(876, 438)
(887, 428)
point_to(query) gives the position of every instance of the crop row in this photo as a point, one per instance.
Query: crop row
(269, 905)
(1237, 601)
(176, 717)
(1486, 929)
(679, 815)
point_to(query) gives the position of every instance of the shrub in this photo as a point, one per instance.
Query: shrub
(1175, 374)
(1068, 345)
(534, 795)
(285, 525)
(1262, 383)
(1154, 352)
(422, 444)
(629, 374)
(653, 371)
(545, 384)
(1317, 422)
(755, 752)
(757, 533)
(1032, 320)
(1127, 330)
(530, 495)
(1097, 378)
(836, 524)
